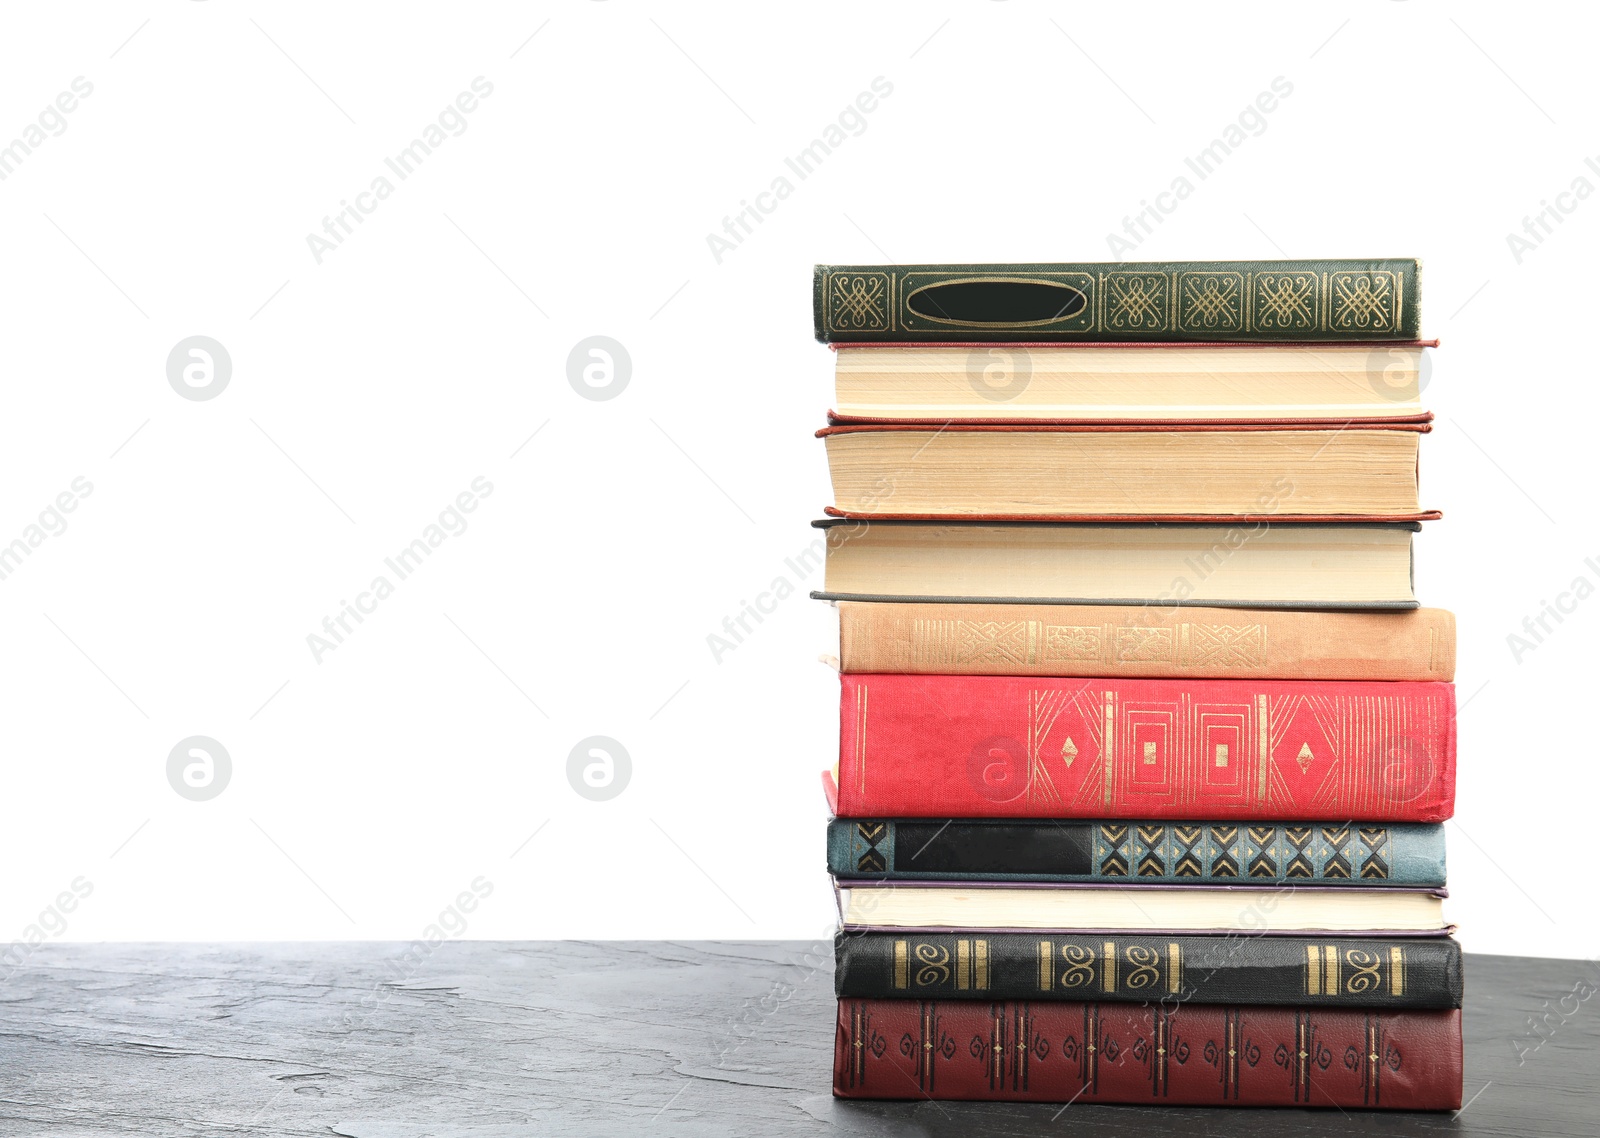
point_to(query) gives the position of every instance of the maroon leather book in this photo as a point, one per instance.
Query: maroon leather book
(1175, 1054)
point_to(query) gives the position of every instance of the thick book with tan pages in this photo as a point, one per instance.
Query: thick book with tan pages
(1098, 471)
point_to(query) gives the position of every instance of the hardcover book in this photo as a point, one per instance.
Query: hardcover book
(1145, 640)
(1227, 301)
(1129, 383)
(1364, 972)
(1257, 563)
(1267, 750)
(1103, 471)
(1160, 1053)
(1106, 852)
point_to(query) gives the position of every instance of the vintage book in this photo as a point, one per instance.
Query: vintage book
(1129, 383)
(992, 906)
(1360, 972)
(1172, 750)
(1163, 1053)
(1245, 564)
(1146, 640)
(1102, 471)
(1106, 852)
(1158, 301)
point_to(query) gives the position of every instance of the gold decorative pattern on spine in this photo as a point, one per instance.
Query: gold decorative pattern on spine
(1109, 961)
(1397, 971)
(1265, 746)
(1110, 747)
(1174, 967)
(933, 965)
(861, 738)
(1047, 968)
(1364, 967)
(1302, 1047)
(1231, 1030)
(901, 966)
(1372, 1058)
(1313, 970)
(1330, 978)
(1210, 301)
(858, 301)
(980, 965)
(857, 1029)
(963, 965)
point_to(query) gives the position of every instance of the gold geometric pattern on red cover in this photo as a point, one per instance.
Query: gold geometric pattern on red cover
(861, 739)
(1348, 755)
(1069, 751)
(1044, 708)
(1299, 721)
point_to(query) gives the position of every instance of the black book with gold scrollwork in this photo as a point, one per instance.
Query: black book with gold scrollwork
(1244, 968)
(1127, 302)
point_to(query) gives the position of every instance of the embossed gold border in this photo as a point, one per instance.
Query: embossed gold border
(1085, 288)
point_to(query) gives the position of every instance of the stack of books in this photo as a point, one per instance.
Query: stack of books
(1145, 743)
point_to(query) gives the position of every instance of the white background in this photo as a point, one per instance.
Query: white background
(367, 391)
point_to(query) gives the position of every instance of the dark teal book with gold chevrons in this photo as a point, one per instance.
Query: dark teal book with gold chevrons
(1158, 853)
(1127, 302)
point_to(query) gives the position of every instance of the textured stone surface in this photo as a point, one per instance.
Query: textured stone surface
(612, 1038)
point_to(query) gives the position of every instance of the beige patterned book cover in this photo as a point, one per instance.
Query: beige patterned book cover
(1132, 640)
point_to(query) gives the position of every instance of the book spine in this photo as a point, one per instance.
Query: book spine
(1145, 641)
(1154, 302)
(1155, 1053)
(1415, 972)
(1169, 750)
(1156, 853)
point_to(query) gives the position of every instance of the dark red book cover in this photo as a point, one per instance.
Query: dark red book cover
(1160, 1053)
(914, 746)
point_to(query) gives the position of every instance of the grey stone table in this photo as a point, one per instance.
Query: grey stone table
(619, 1038)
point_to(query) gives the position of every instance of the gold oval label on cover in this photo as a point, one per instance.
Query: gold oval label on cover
(997, 302)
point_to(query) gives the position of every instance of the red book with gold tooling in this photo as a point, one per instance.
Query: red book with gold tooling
(1164, 749)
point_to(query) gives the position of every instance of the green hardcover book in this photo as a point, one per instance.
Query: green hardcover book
(1155, 302)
